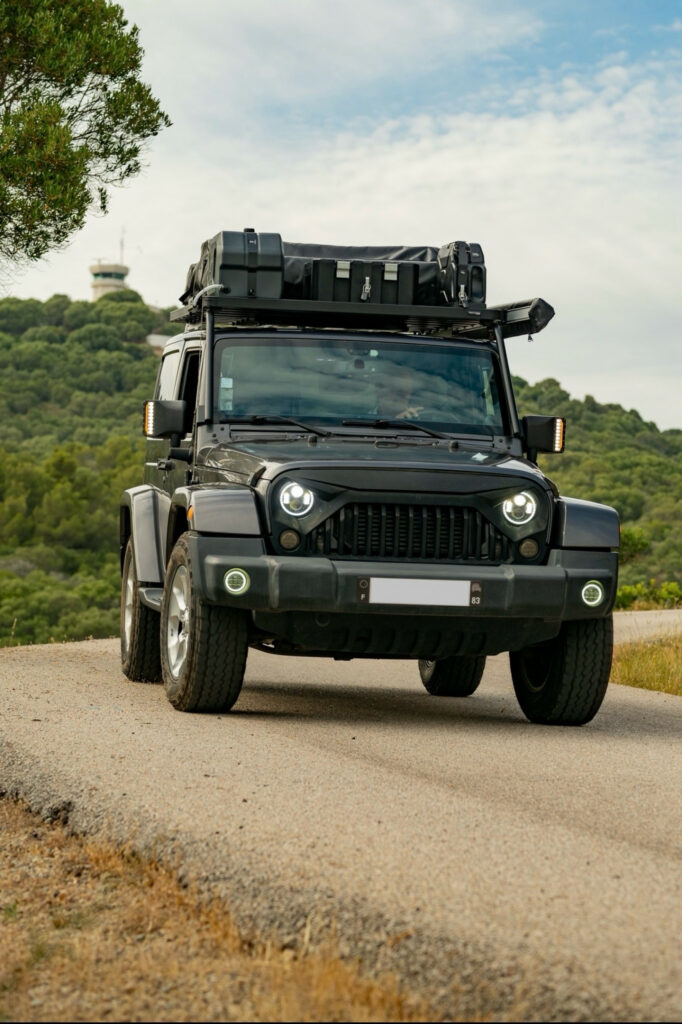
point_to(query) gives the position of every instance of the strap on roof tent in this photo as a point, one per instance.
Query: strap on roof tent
(514, 318)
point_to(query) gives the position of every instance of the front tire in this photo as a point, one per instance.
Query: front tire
(203, 646)
(458, 676)
(140, 655)
(563, 681)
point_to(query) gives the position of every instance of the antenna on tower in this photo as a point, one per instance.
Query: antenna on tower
(121, 244)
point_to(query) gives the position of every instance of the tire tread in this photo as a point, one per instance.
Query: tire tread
(213, 676)
(578, 674)
(457, 676)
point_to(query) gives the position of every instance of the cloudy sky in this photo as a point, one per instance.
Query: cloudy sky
(550, 132)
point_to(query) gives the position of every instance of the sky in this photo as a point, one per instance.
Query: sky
(549, 132)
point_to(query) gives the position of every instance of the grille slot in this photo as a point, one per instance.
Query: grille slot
(438, 533)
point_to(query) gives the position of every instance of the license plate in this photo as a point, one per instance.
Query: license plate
(444, 593)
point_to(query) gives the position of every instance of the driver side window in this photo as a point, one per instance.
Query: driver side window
(189, 382)
(165, 382)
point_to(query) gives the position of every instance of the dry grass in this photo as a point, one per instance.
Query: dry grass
(650, 664)
(90, 933)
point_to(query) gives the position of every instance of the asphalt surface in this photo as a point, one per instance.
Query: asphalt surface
(448, 839)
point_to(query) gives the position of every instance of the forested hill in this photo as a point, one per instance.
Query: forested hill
(73, 377)
(614, 456)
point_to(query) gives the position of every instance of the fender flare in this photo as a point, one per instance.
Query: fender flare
(585, 524)
(139, 518)
(229, 510)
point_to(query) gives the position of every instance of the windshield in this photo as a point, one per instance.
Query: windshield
(448, 386)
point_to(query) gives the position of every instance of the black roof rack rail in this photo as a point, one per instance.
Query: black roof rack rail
(513, 318)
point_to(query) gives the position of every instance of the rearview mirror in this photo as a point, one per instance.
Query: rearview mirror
(543, 434)
(164, 419)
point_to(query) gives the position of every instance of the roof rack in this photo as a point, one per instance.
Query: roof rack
(513, 318)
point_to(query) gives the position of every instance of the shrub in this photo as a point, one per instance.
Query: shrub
(649, 595)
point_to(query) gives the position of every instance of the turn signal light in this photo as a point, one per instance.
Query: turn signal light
(148, 419)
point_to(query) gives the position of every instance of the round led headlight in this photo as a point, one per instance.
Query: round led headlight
(295, 499)
(519, 509)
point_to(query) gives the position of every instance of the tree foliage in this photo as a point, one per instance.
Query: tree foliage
(71, 394)
(74, 117)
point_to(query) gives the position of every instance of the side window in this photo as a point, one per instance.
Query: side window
(189, 382)
(165, 382)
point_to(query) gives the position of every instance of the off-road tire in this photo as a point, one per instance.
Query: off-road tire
(458, 676)
(140, 654)
(563, 681)
(211, 674)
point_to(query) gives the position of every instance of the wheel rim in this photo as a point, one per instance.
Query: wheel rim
(128, 598)
(177, 634)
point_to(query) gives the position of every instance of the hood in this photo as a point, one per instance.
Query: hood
(367, 465)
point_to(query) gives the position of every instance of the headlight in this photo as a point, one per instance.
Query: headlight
(296, 500)
(519, 509)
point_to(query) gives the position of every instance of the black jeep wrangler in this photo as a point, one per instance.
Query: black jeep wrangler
(335, 467)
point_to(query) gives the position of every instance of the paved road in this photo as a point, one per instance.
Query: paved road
(449, 839)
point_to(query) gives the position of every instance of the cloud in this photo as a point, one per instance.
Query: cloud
(241, 67)
(674, 26)
(570, 180)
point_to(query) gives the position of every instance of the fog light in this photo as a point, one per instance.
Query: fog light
(528, 548)
(289, 539)
(593, 593)
(236, 581)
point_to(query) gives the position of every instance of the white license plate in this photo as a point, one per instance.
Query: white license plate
(384, 590)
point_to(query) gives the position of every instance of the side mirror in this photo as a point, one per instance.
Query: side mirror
(164, 419)
(543, 434)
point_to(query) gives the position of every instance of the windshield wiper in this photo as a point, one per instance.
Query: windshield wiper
(394, 425)
(285, 420)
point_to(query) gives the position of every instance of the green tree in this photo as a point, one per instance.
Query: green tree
(122, 295)
(74, 117)
(17, 315)
(55, 308)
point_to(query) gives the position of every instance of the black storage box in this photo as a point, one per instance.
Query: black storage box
(249, 264)
(243, 262)
(361, 281)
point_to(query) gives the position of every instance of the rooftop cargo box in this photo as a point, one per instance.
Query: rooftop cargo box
(260, 265)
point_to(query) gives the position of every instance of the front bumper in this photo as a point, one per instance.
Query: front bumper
(549, 592)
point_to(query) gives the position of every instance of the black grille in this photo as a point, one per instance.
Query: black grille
(438, 533)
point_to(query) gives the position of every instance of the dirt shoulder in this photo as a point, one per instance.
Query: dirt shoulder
(90, 933)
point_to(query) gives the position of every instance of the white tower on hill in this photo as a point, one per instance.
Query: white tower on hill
(107, 277)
